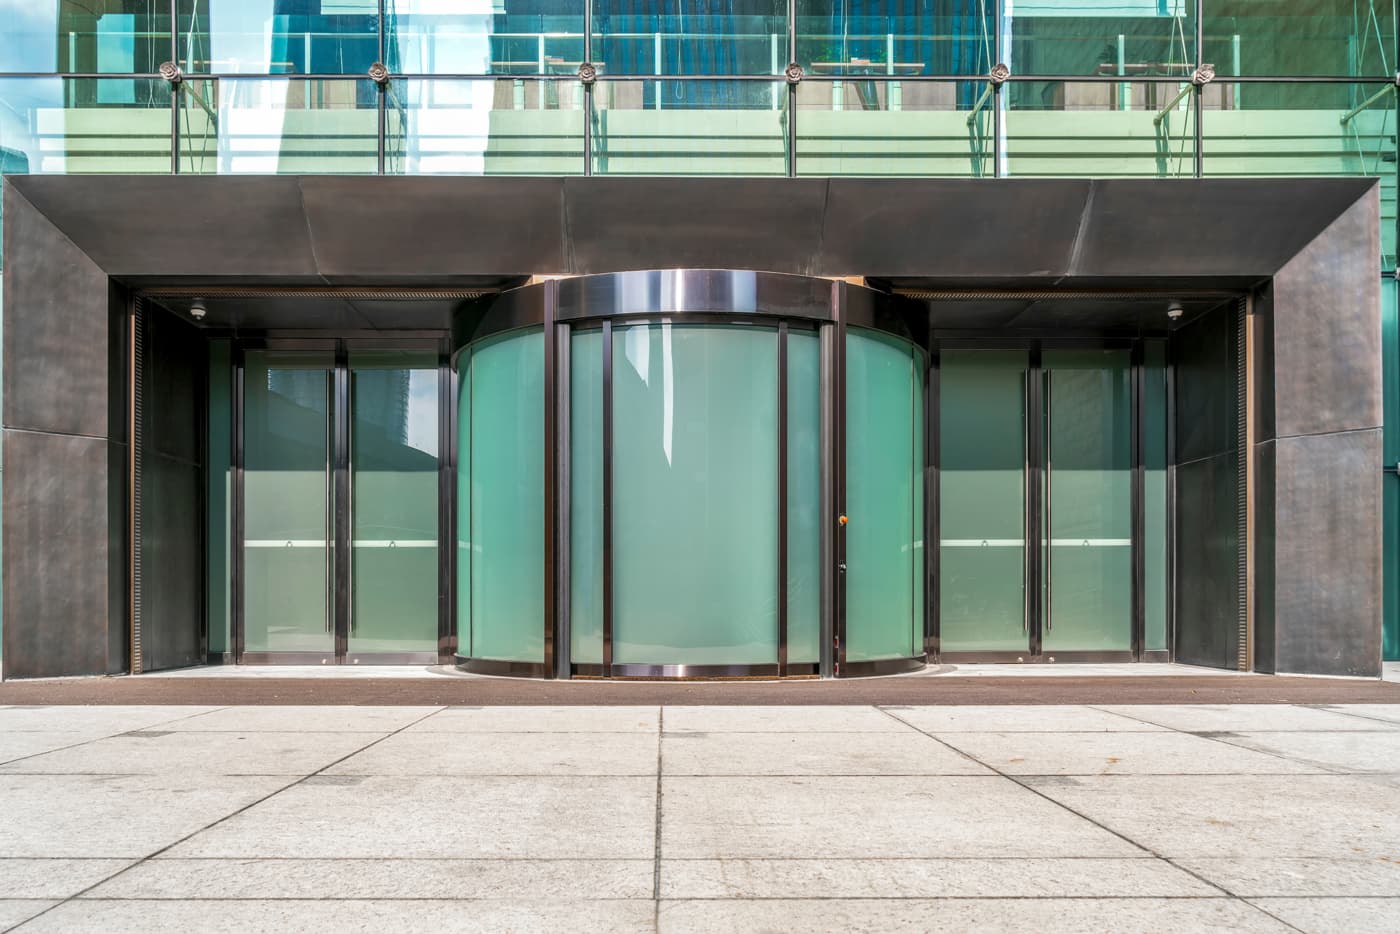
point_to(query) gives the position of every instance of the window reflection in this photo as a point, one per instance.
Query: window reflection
(85, 36)
(278, 36)
(896, 37)
(1134, 38)
(484, 37)
(690, 37)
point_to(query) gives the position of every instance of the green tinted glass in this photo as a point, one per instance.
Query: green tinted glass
(1101, 37)
(1317, 37)
(982, 500)
(804, 471)
(288, 546)
(689, 128)
(884, 408)
(695, 480)
(1087, 539)
(507, 497)
(393, 502)
(307, 38)
(586, 497)
(488, 127)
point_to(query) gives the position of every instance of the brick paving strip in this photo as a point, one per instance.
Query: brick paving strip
(917, 690)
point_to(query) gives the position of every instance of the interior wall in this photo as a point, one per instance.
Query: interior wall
(175, 380)
(1207, 466)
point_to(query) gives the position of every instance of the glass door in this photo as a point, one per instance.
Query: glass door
(1035, 509)
(288, 557)
(340, 504)
(1087, 544)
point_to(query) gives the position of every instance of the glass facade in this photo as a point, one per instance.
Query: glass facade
(890, 87)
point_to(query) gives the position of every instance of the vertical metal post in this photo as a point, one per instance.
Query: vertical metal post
(838, 461)
(791, 91)
(1171, 500)
(340, 415)
(236, 505)
(588, 109)
(931, 505)
(1198, 95)
(551, 524)
(447, 512)
(563, 562)
(1035, 500)
(135, 401)
(828, 513)
(607, 500)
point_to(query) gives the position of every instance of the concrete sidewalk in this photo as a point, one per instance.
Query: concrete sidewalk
(643, 818)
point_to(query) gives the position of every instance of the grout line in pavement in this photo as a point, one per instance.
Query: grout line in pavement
(1219, 736)
(1344, 710)
(95, 738)
(149, 856)
(1060, 804)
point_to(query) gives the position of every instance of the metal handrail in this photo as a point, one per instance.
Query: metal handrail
(1171, 105)
(1350, 114)
(977, 107)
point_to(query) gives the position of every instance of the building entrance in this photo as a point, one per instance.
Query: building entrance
(337, 496)
(1038, 489)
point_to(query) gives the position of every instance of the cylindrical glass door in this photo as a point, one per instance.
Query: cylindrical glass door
(1087, 551)
(288, 511)
(694, 494)
(393, 502)
(982, 500)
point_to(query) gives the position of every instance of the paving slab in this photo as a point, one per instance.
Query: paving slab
(927, 878)
(1238, 815)
(524, 879)
(342, 916)
(1117, 754)
(1018, 719)
(24, 744)
(811, 754)
(155, 752)
(871, 817)
(1386, 713)
(1282, 876)
(13, 911)
(1043, 916)
(54, 878)
(1350, 751)
(114, 816)
(384, 817)
(540, 720)
(506, 754)
(1335, 915)
(99, 719)
(1202, 718)
(304, 719)
(779, 720)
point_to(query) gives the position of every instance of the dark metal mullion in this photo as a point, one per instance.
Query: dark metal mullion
(587, 89)
(931, 505)
(1035, 500)
(607, 501)
(838, 463)
(447, 528)
(236, 517)
(551, 601)
(562, 457)
(1198, 94)
(1171, 501)
(342, 506)
(1138, 501)
(792, 91)
(782, 499)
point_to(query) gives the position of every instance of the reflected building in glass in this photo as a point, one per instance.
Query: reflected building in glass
(490, 452)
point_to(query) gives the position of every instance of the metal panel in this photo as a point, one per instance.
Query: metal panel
(1207, 591)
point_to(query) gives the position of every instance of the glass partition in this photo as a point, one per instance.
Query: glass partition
(310, 37)
(896, 37)
(1133, 38)
(690, 37)
(500, 519)
(689, 128)
(84, 125)
(429, 37)
(884, 497)
(804, 497)
(1319, 37)
(98, 36)
(485, 127)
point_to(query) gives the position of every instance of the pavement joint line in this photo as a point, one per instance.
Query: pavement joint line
(1060, 804)
(1265, 911)
(95, 739)
(1218, 737)
(149, 856)
(656, 841)
(1345, 710)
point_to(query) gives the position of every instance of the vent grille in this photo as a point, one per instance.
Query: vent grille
(383, 294)
(138, 340)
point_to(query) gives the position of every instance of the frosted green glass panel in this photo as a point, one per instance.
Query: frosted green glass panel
(883, 406)
(982, 497)
(507, 497)
(804, 436)
(393, 502)
(695, 476)
(1154, 456)
(287, 548)
(586, 497)
(1088, 497)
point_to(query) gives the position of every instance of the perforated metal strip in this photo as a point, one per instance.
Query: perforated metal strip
(138, 337)
(1242, 482)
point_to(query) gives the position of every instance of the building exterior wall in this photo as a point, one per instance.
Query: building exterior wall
(890, 88)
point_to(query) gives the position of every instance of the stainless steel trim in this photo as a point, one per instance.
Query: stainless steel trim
(329, 525)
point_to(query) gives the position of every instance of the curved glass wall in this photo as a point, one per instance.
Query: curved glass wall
(884, 497)
(500, 498)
